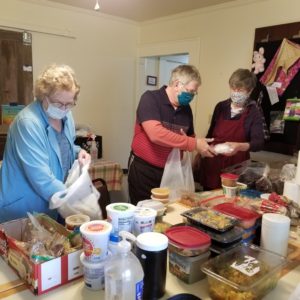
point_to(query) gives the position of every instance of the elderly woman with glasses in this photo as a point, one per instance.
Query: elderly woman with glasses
(237, 129)
(40, 148)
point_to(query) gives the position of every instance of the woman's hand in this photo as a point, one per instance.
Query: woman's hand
(236, 147)
(84, 158)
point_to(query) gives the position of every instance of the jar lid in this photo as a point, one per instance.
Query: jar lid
(152, 241)
(187, 236)
(229, 176)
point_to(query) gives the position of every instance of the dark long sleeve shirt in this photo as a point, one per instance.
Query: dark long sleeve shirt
(253, 124)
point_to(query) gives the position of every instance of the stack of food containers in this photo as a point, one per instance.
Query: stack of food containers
(220, 227)
(95, 237)
(246, 217)
(188, 250)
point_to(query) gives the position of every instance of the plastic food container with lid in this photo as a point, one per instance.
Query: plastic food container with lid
(187, 240)
(246, 217)
(245, 272)
(210, 218)
(229, 179)
(156, 205)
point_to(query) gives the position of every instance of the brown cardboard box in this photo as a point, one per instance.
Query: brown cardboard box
(45, 276)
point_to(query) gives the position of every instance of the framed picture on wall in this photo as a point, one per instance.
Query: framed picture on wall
(151, 80)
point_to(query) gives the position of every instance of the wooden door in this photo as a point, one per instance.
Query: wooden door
(16, 82)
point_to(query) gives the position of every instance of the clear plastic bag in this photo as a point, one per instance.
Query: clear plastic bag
(178, 174)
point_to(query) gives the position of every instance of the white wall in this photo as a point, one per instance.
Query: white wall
(104, 50)
(226, 36)
(101, 49)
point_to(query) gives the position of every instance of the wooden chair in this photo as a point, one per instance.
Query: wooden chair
(104, 199)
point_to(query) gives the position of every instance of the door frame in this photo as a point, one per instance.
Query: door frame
(186, 46)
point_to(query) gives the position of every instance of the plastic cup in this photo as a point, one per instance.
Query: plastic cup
(229, 191)
(121, 216)
(95, 237)
(93, 273)
(144, 220)
(75, 221)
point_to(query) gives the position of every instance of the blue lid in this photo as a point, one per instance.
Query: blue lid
(114, 238)
(250, 193)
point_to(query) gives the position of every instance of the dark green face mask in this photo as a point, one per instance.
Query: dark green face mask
(184, 98)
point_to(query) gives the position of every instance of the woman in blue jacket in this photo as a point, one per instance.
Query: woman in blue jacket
(40, 148)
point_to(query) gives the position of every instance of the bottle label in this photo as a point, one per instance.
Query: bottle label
(139, 290)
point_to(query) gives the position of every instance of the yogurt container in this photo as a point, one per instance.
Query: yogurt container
(74, 222)
(93, 273)
(121, 216)
(144, 220)
(95, 237)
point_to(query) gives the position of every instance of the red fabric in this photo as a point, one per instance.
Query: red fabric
(224, 131)
(282, 76)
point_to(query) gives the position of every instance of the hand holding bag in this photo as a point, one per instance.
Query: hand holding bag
(80, 196)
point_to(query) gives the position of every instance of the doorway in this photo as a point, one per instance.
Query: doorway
(158, 68)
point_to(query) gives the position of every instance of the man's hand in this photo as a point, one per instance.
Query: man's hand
(204, 148)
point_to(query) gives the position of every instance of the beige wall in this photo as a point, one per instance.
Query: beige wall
(101, 49)
(104, 50)
(226, 35)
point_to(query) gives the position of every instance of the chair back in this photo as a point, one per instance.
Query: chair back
(104, 199)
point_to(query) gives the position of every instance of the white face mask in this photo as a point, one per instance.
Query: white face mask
(238, 97)
(55, 112)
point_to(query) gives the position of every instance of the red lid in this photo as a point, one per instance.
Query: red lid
(229, 176)
(187, 236)
(236, 211)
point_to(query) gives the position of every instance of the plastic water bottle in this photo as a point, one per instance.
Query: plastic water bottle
(123, 273)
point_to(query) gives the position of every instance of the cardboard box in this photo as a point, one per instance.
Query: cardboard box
(9, 111)
(41, 277)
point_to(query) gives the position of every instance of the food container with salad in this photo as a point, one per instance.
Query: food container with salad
(245, 272)
(210, 218)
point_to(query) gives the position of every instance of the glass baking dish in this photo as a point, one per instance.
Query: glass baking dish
(245, 272)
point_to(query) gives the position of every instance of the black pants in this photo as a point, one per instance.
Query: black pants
(142, 177)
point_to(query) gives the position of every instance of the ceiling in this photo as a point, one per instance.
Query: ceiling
(142, 10)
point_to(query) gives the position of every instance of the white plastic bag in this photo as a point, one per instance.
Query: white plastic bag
(80, 196)
(178, 174)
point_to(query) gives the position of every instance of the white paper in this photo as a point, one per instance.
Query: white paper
(272, 91)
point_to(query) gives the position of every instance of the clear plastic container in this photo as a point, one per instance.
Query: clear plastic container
(245, 272)
(187, 240)
(188, 269)
(210, 218)
(246, 217)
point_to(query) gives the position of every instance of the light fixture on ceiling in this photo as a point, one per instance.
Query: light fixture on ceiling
(97, 6)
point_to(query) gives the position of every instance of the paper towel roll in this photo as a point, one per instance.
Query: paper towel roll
(275, 233)
(292, 190)
(297, 178)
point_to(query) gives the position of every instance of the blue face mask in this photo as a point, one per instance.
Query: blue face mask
(184, 98)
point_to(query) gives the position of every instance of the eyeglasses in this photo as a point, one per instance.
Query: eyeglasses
(194, 93)
(65, 106)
